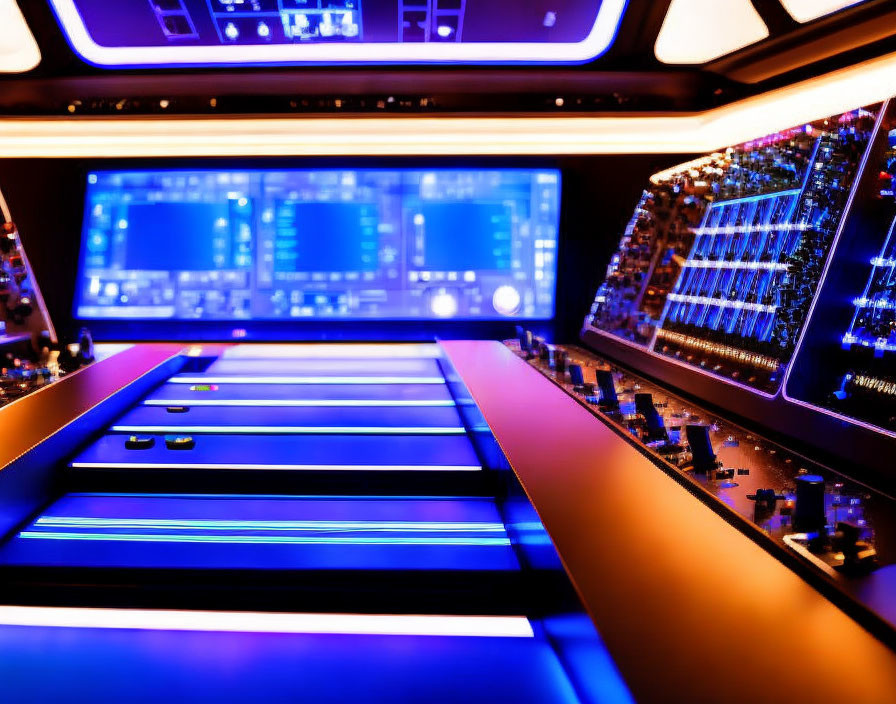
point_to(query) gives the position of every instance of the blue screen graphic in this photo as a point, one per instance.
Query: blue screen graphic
(319, 244)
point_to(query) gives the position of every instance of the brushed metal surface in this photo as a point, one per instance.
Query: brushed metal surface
(690, 608)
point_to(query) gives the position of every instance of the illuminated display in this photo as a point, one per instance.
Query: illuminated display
(845, 364)
(350, 244)
(203, 32)
(721, 262)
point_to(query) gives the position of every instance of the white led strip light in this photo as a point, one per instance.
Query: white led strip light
(258, 622)
(720, 303)
(598, 40)
(299, 403)
(291, 467)
(206, 380)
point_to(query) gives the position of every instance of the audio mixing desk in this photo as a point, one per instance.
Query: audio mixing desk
(303, 488)
(358, 501)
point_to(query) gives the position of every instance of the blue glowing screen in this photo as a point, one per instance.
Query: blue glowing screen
(204, 32)
(319, 244)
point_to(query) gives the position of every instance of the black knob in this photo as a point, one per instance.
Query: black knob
(704, 459)
(809, 513)
(179, 442)
(656, 430)
(766, 499)
(576, 375)
(561, 360)
(607, 387)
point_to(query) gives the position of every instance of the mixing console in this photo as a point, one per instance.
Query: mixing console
(23, 371)
(317, 482)
(722, 260)
(842, 528)
(28, 361)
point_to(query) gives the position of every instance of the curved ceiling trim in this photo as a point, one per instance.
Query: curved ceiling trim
(593, 45)
(864, 84)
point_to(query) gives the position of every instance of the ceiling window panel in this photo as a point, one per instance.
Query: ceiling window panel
(697, 31)
(18, 50)
(807, 10)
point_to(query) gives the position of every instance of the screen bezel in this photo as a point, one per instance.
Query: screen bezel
(316, 328)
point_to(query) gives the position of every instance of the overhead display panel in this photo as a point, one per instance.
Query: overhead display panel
(145, 33)
(319, 244)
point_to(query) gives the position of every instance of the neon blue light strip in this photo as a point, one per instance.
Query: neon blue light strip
(284, 497)
(261, 540)
(289, 429)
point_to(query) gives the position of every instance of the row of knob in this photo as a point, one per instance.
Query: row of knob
(809, 512)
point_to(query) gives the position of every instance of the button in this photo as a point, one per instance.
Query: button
(139, 442)
(177, 409)
(204, 387)
(179, 442)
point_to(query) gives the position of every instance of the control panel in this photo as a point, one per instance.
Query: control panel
(722, 260)
(334, 244)
(841, 528)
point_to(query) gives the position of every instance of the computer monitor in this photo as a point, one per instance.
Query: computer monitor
(350, 244)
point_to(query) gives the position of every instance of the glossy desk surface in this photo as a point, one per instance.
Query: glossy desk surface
(291, 452)
(234, 394)
(690, 608)
(91, 665)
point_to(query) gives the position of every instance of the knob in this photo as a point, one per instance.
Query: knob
(139, 442)
(179, 442)
(766, 499)
(704, 459)
(656, 430)
(809, 514)
(607, 387)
